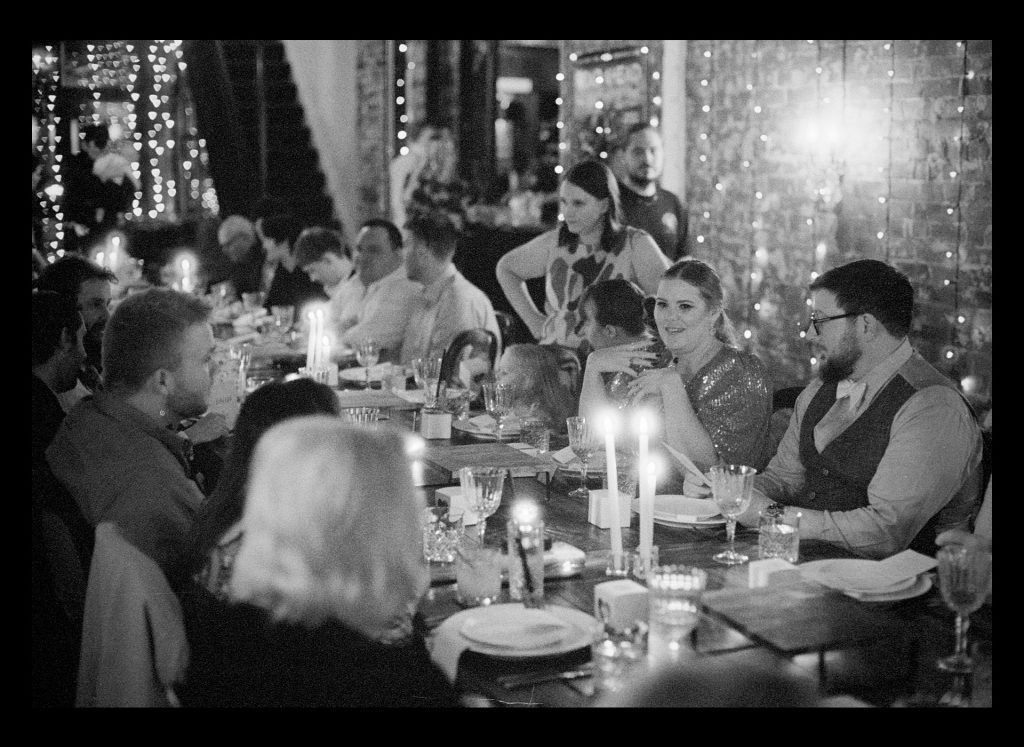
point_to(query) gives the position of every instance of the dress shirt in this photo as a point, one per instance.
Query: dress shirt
(932, 464)
(380, 311)
(449, 305)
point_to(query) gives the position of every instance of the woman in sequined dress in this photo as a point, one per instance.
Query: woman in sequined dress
(716, 400)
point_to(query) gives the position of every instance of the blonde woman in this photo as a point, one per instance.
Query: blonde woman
(540, 389)
(330, 558)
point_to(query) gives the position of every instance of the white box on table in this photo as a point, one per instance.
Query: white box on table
(599, 510)
(620, 603)
(456, 505)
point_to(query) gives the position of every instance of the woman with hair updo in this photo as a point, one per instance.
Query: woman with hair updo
(592, 244)
(716, 400)
(540, 389)
(331, 555)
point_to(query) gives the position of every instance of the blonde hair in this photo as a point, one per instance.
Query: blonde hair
(331, 526)
(536, 376)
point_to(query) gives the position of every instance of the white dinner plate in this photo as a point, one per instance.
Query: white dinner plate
(358, 374)
(921, 584)
(853, 575)
(576, 634)
(678, 511)
(484, 434)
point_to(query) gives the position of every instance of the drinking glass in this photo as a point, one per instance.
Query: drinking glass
(963, 581)
(477, 574)
(583, 445)
(427, 374)
(537, 435)
(481, 489)
(674, 593)
(731, 485)
(361, 415)
(498, 403)
(618, 656)
(284, 317)
(442, 534)
(367, 354)
(778, 533)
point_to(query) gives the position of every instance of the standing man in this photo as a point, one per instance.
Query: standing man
(448, 303)
(95, 197)
(119, 453)
(644, 203)
(882, 451)
(377, 301)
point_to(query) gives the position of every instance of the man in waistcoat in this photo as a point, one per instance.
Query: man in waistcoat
(882, 451)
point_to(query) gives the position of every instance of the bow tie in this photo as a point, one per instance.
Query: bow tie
(854, 391)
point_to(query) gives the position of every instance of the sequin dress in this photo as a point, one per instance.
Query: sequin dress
(732, 397)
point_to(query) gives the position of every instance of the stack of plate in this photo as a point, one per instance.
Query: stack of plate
(863, 580)
(679, 511)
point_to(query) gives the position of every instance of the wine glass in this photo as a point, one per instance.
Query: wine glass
(482, 487)
(498, 403)
(963, 581)
(731, 485)
(427, 374)
(367, 354)
(583, 445)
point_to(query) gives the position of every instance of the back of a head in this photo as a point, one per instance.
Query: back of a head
(331, 526)
(52, 314)
(618, 302)
(145, 333)
(269, 205)
(869, 286)
(313, 243)
(98, 135)
(236, 228)
(282, 227)
(394, 235)
(437, 230)
(66, 275)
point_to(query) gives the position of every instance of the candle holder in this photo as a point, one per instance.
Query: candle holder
(618, 565)
(641, 567)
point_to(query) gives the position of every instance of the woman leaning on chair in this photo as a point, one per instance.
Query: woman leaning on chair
(330, 556)
(716, 401)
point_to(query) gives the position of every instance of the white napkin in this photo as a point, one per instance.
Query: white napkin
(483, 422)
(562, 553)
(877, 576)
(415, 396)
(688, 465)
(564, 456)
(446, 645)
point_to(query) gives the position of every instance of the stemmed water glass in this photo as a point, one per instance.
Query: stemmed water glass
(427, 374)
(583, 445)
(367, 354)
(963, 580)
(731, 486)
(482, 487)
(498, 403)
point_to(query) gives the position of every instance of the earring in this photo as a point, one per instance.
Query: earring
(163, 412)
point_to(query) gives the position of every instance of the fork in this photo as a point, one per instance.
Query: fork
(513, 681)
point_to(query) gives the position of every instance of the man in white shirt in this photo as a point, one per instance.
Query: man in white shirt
(882, 452)
(448, 303)
(320, 252)
(377, 302)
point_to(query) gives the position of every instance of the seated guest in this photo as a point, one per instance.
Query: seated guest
(376, 303)
(715, 400)
(89, 285)
(216, 536)
(118, 453)
(613, 323)
(237, 239)
(539, 387)
(448, 303)
(321, 255)
(290, 285)
(330, 555)
(882, 451)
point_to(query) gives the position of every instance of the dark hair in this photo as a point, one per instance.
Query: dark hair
(313, 243)
(617, 302)
(52, 313)
(394, 235)
(635, 128)
(703, 277)
(270, 205)
(97, 134)
(269, 405)
(868, 286)
(598, 181)
(282, 227)
(436, 229)
(145, 333)
(66, 275)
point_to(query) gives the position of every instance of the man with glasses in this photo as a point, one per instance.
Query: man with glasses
(882, 451)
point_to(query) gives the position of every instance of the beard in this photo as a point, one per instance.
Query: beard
(641, 178)
(840, 365)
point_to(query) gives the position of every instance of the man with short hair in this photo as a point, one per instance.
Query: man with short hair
(882, 450)
(448, 303)
(376, 302)
(321, 255)
(92, 204)
(289, 284)
(88, 285)
(245, 255)
(644, 203)
(118, 453)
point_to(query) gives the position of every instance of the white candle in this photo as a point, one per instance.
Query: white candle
(311, 343)
(325, 352)
(646, 492)
(648, 478)
(613, 488)
(186, 279)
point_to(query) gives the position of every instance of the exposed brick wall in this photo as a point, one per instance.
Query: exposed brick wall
(821, 171)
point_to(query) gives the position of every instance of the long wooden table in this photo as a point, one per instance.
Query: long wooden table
(883, 654)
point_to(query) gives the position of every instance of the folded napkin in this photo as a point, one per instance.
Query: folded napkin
(687, 510)
(562, 553)
(688, 465)
(874, 576)
(564, 456)
(415, 396)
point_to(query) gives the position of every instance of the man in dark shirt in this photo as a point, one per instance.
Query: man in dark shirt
(92, 205)
(644, 203)
(289, 284)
